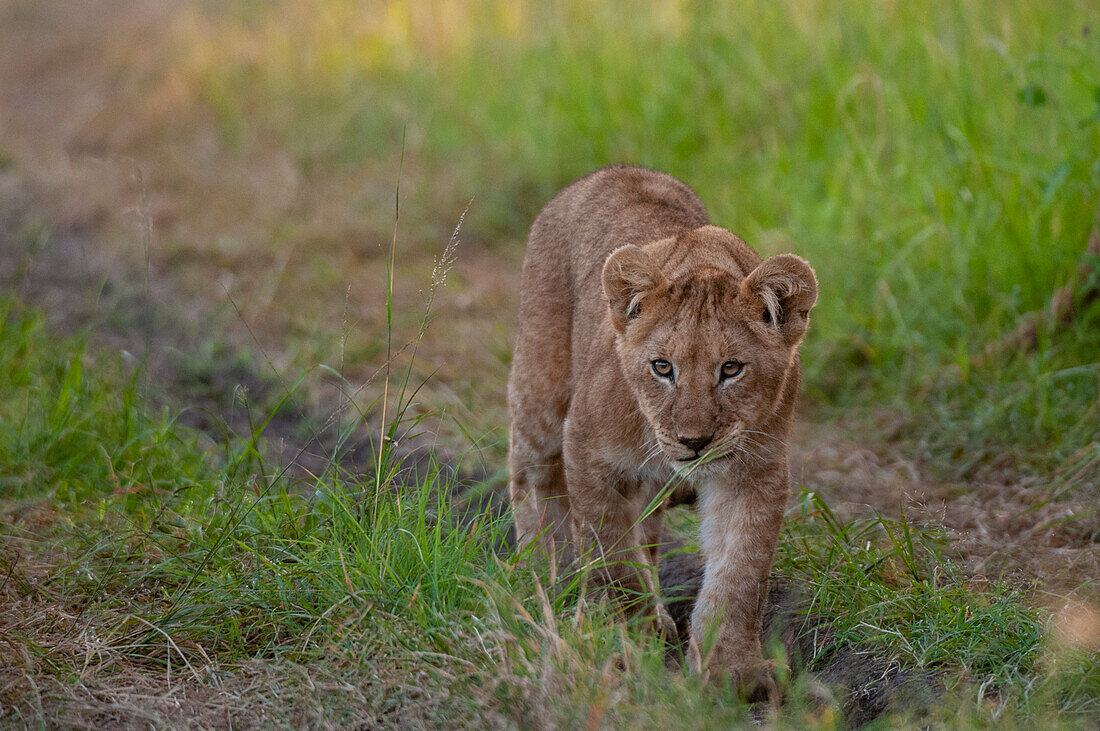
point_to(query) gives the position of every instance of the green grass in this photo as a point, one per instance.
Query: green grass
(878, 575)
(173, 553)
(936, 162)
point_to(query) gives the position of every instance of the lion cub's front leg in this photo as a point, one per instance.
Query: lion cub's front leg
(739, 533)
(613, 535)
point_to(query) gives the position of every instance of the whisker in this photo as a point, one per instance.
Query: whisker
(753, 442)
(757, 451)
(735, 449)
(782, 442)
(737, 456)
(749, 453)
(653, 452)
(772, 449)
(729, 449)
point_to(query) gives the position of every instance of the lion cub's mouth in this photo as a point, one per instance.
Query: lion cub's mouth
(702, 459)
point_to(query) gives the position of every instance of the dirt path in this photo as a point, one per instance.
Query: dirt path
(1001, 525)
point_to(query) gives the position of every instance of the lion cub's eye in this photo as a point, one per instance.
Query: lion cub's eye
(662, 368)
(732, 369)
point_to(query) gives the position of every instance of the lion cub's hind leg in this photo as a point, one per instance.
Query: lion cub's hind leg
(540, 505)
(538, 399)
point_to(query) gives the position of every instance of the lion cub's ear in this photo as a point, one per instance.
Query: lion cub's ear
(786, 288)
(629, 274)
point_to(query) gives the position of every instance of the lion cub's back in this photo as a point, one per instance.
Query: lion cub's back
(606, 209)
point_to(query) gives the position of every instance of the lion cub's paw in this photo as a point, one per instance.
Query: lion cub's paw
(755, 683)
(665, 626)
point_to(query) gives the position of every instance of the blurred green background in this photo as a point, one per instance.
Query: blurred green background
(938, 163)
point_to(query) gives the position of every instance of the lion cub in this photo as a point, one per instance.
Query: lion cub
(654, 351)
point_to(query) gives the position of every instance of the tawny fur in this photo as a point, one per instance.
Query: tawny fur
(623, 269)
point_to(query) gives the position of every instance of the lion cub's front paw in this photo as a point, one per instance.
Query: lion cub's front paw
(755, 682)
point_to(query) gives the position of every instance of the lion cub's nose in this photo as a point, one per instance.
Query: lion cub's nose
(696, 443)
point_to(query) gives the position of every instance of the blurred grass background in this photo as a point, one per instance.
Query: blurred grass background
(938, 163)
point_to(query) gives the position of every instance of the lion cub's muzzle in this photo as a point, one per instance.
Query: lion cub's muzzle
(696, 445)
(703, 450)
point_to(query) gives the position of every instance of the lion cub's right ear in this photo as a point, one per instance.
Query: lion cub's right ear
(629, 274)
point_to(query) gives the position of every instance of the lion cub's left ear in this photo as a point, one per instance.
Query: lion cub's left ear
(786, 288)
(629, 276)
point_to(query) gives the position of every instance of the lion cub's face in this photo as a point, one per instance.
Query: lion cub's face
(707, 354)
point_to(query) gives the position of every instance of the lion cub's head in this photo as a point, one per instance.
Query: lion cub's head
(707, 336)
